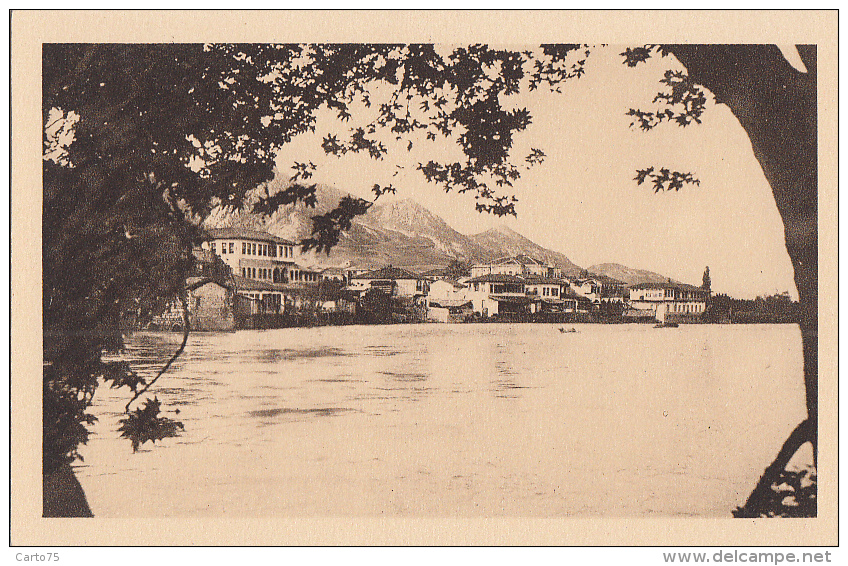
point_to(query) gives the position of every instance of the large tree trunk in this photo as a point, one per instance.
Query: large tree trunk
(62, 495)
(777, 106)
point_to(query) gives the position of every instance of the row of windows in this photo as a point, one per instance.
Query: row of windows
(303, 276)
(682, 307)
(256, 272)
(253, 248)
(265, 273)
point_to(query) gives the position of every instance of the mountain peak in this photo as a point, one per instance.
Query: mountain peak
(502, 229)
(406, 215)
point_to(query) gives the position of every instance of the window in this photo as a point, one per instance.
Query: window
(243, 248)
(232, 247)
(213, 247)
(253, 272)
(223, 247)
(243, 272)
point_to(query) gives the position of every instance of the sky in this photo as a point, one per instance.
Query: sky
(583, 202)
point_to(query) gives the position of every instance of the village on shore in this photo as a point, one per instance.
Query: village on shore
(251, 279)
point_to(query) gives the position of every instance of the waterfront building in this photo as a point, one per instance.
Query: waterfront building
(265, 269)
(498, 293)
(446, 290)
(600, 289)
(669, 300)
(254, 255)
(547, 293)
(393, 281)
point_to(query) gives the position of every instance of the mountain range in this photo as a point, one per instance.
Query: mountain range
(403, 233)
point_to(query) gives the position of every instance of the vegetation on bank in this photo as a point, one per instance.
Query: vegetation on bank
(770, 309)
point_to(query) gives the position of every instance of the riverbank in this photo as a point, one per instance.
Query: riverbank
(453, 420)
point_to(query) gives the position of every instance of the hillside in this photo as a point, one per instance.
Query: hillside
(626, 274)
(502, 241)
(405, 234)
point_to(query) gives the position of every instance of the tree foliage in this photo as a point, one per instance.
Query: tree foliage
(142, 141)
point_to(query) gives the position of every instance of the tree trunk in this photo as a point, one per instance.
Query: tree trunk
(63, 495)
(777, 106)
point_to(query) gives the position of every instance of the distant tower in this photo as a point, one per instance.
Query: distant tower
(707, 283)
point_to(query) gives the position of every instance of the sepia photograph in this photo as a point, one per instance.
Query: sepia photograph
(350, 271)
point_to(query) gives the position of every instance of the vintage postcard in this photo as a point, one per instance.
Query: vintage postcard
(424, 278)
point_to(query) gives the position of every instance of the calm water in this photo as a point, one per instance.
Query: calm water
(454, 421)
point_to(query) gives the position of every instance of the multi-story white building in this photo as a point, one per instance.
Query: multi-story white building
(675, 299)
(265, 267)
(252, 254)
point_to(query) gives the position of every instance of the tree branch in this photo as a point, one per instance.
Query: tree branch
(759, 497)
(186, 331)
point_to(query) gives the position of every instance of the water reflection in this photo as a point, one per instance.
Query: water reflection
(452, 421)
(322, 412)
(287, 355)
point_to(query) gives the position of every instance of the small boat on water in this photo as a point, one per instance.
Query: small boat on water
(569, 331)
(666, 325)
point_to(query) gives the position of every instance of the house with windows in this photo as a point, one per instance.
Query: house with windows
(265, 268)
(338, 274)
(498, 293)
(588, 288)
(670, 301)
(547, 293)
(612, 290)
(521, 265)
(600, 289)
(252, 254)
(446, 290)
(393, 281)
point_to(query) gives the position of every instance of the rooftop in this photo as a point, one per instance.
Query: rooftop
(245, 234)
(667, 285)
(388, 272)
(521, 259)
(456, 284)
(538, 280)
(497, 278)
(606, 279)
(245, 284)
(193, 283)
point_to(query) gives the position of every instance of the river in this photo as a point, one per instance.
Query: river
(467, 420)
